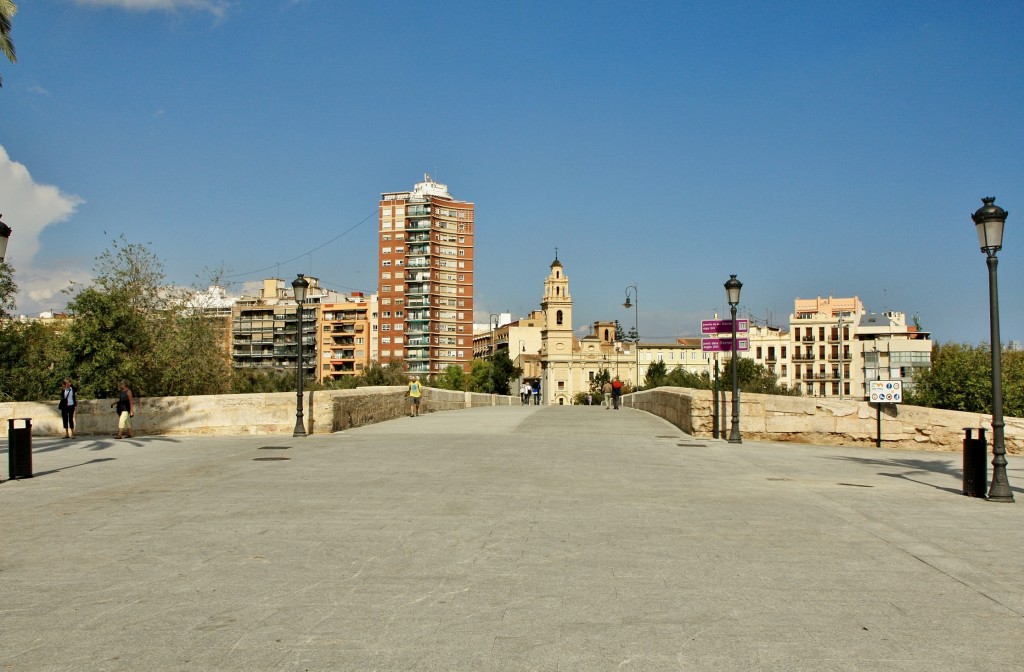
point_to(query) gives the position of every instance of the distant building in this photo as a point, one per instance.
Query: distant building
(345, 337)
(425, 278)
(264, 328)
(837, 348)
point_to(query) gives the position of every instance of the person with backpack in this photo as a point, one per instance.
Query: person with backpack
(616, 392)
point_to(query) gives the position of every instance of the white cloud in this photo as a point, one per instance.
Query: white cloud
(218, 8)
(28, 208)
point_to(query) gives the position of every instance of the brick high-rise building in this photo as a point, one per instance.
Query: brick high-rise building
(425, 279)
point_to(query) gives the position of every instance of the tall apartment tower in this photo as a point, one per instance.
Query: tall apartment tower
(425, 279)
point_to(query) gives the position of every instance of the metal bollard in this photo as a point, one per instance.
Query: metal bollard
(975, 467)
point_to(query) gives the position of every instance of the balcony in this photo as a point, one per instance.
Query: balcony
(803, 357)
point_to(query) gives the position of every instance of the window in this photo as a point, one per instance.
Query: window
(386, 263)
(385, 340)
(783, 352)
(758, 351)
(385, 250)
(558, 317)
(385, 327)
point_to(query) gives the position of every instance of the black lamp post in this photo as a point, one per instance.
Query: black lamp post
(732, 293)
(299, 287)
(5, 233)
(636, 327)
(989, 220)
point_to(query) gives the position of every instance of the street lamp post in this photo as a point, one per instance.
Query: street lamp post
(842, 360)
(989, 221)
(494, 319)
(5, 233)
(299, 287)
(636, 327)
(732, 293)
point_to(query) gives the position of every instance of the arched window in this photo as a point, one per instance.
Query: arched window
(558, 317)
(606, 334)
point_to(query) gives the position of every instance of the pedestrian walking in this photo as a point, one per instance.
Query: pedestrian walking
(125, 411)
(68, 401)
(616, 392)
(415, 392)
(606, 390)
(536, 394)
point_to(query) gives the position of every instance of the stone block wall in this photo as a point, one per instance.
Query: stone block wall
(766, 417)
(325, 411)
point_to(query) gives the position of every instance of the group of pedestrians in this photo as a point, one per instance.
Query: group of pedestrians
(529, 395)
(125, 407)
(612, 391)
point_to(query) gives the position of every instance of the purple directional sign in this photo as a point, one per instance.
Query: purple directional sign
(723, 326)
(723, 344)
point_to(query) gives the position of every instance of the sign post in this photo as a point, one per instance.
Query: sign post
(884, 392)
(711, 341)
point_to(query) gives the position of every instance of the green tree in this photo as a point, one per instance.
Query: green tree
(960, 379)
(108, 341)
(453, 378)
(502, 371)
(480, 376)
(189, 355)
(619, 334)
(8, 290)
(657, 375)
(28, 357)
(680, 377)
(7, 11)
(129, 325)
(391, 374)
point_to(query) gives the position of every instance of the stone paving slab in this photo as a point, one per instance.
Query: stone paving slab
(507, 538)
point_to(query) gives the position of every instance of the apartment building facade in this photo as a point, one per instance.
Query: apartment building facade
(425, 279)
(264, 329)
(345, 337)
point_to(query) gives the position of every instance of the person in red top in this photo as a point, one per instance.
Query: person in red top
(616, 392)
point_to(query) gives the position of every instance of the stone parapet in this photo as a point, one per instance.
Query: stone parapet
(766, 417)
(325, 411)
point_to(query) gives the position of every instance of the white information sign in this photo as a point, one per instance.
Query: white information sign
(886, 392)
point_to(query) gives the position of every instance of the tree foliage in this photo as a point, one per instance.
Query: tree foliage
(960, 379)
(8, 289)
(7, 11)
(453, 378)
(393, 373)
(28, 362)
(129, 325)
(503, 370)
(751, 376)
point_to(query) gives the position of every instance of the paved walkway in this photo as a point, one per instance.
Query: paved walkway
(552, 538)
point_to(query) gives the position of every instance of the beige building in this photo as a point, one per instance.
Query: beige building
(837, 348)
(567, 365)
(345, 337)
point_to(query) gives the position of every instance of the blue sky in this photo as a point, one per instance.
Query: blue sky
(810, 148)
